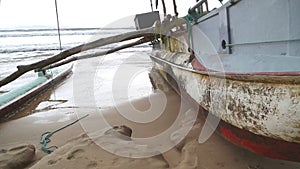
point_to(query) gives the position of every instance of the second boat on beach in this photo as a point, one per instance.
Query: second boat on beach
(15, 99)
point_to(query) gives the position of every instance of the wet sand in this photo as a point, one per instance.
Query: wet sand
(86, 143)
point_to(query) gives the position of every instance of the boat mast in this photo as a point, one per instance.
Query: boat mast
(58, 27)
(151, 5)
(164, 6)
(175, 8)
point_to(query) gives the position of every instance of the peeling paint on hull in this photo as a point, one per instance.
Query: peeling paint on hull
(260, 114)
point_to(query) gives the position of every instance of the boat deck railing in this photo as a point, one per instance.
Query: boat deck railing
(198, 10)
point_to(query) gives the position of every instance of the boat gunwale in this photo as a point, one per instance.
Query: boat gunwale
(261, 77)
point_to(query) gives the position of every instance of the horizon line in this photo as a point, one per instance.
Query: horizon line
(65, 28)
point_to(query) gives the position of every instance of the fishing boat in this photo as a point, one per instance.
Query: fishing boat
(14, 100)
(241, 64)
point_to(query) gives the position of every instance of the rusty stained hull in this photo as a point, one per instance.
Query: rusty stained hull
(257, 113)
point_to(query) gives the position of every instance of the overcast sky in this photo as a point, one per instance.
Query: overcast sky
(80, 13)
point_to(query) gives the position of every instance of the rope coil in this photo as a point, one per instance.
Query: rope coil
(45, 137)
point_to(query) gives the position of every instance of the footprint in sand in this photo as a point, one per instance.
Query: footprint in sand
(53, 161)
(17, 157)
(123, 132)
(75, 154)
(92, 164)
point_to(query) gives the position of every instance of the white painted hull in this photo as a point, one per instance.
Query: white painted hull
(268, 109)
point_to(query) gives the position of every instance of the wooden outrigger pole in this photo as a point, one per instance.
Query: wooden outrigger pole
(97, 54)
(146, 35)
(22, 69)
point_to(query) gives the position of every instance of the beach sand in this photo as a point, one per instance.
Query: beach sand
(78, 149)
(91, 143)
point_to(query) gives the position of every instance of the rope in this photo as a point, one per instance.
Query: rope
(57, 21)
(45, 137)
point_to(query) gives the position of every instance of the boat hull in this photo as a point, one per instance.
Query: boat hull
(261, 116)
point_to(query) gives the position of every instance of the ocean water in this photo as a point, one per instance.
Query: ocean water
(21, 47)
(117, 77)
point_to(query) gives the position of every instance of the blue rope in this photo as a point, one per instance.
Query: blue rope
(45, 137)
